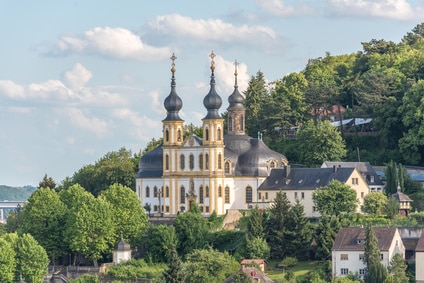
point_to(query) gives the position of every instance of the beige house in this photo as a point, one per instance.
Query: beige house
(419, 260)
(349, 248)
(300, 183)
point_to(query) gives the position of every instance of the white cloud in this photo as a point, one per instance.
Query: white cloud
(156, 104)
(116, 43)
(215, 30)
(394, 9)
(11, 89)
(279, 8)
(224, 71)
(77, 77)
(81, 121)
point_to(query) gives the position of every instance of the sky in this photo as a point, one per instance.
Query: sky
(79, 79)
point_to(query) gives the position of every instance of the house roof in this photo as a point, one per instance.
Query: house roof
(420, 244)
(248, 261)
(254, 274)
(364, 168)
(304, 178)
(348, 239)
(401, 197)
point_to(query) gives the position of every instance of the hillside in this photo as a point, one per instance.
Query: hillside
(15, 193)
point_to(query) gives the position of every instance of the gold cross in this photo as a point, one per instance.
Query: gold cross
(212, 55)
(235, 67)
(173, 62)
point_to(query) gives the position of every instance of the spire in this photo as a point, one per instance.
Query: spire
(236, 100)
(212, 100)
(173, 102)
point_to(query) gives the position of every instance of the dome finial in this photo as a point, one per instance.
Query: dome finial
(212, 55)
(173, 58)
(235, 72)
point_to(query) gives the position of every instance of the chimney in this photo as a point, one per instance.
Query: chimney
(287, 170)
(334, 168)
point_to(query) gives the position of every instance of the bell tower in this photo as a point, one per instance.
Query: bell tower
(236, 109)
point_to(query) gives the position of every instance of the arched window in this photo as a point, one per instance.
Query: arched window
(167, 192)
(166, 135)
(179, 135)
(207, 134)
(191, 161)
(201, 194)
(155, 192)
(167, 162)
(219, 191)
(248, 194)
(227, 195)
(272, 164)
(182, 161)
(219, 161)
(147, 192)
(206, 191)
(227, 167)
(182, 194)
(206, 161)
(219, 134)
(230, 124)
(201, 161)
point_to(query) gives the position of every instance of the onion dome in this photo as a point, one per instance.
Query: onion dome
(151, 164)
(173, 102)
(212, 100)
(236, 99)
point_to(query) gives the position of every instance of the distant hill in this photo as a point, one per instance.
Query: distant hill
(16, 193)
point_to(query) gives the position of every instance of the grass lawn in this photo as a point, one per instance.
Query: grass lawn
(301, 268)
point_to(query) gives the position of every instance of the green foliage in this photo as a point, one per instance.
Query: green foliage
(86, 278)
(47, 182)
(174, 273)
(209, 266)
(136, 269)
(299, 232)
(325, 235)
(289, 261)
(335, 198)
(322, 136)
(375, 203)
(397, 269)
(257, 248)
(256, 223)
(7, 262)
(16, 193)
(392, 208)
(376, 272)
(160, 241)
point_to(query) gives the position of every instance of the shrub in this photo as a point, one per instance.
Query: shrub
(289, 261)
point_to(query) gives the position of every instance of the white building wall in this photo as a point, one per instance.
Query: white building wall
(419, 264)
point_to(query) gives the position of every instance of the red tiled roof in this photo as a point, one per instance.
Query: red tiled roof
(347, 238)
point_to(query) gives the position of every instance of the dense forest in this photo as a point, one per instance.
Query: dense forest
(383, 82)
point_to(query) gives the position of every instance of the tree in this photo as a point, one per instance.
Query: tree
(335, 198)
(256, 223)
(325, 235)
(319, 142)
(7, 262)
(298, 232)
(392, 208)
(257, 248)
(376, 272)
(174, 273)
(128, 216)
(191, 230)
(43, 218)
(397, 269)
(276, 225)
(14, 220)
(31, 259)
(391, 178)
(256, 95)
(209, 266)
(160, 241)
(47, 182)
(375, 203)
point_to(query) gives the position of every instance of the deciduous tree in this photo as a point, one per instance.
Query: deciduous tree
(335, 198)
(375, 203)
(7, 262)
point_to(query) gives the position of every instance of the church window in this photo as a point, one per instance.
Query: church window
(219, 161)
(179, 135)
(207, 192)
(191, 161)
(147, 192)
(155, 192)
(182, 161)
(207, 209)
(167, 162)
(230, 124)
(206, 161)
(201, 161)
(201, 194)
(167, 192)
(227, 195)
(167, 208)
(182, 194)
(166, 135)
(219, 191)
(219, 134)
(207, 134)
(227, 167)
(249, 194)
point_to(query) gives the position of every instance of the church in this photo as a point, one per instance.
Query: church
(219, 171)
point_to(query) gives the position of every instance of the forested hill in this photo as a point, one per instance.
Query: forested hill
(383, 82)
(16, 193)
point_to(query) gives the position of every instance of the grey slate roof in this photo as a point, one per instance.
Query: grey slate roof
(401, 197)
(122, 246)
(304, 178)
(347, 238)
(364, 168)
(151, 164)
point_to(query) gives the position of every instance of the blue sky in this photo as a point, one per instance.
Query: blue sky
(81, 78)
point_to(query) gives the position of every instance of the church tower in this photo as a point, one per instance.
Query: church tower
(173, 126)
(236, 109)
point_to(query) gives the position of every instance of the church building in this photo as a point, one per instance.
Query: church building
(219, 171)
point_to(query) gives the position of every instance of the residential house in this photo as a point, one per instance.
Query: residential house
(349, 249)
(419, 260)
(300, 183)
(260, 262)
(367, 171)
